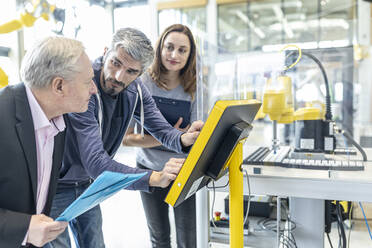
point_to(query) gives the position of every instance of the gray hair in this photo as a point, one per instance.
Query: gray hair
(49, 58)
(135, 43)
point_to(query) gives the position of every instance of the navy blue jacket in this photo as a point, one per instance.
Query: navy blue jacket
(88, 153)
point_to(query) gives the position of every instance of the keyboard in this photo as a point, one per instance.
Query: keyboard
(266, 156)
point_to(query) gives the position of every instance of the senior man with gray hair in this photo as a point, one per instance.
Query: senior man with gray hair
(95, 136)
(57, 77)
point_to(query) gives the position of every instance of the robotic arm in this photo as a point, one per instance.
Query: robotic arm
(41, 9)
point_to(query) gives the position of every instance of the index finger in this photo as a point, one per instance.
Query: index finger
(177, 160)
(197, 125)
(56, 225)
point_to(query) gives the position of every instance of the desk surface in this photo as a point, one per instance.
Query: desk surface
(304, 183)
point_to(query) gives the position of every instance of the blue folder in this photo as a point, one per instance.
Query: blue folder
(106, 185)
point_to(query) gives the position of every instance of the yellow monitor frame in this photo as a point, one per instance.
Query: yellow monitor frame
(198, 169)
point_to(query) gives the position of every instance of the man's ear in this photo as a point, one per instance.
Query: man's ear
(57, 85)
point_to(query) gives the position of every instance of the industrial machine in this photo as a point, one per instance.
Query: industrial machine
(314, 128)
(315, 137)
(40, 9)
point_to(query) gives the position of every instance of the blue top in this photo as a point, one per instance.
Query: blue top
(88, 154)
(173, 104)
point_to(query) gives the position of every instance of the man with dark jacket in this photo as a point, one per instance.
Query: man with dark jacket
(57, 77)
(95, 136)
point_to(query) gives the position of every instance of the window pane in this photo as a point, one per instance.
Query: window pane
(300, 22)
(266, 28)
(168, 17)
(257, 25)
(233, 32)
(194, 18)
(128, 17)
(336, 23)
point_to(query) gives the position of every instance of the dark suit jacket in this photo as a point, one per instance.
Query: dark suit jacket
(18, 166)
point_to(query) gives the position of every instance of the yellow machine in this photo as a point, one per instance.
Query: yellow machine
(278, 101)
(313, 125)
(41, 9)
(278, 98)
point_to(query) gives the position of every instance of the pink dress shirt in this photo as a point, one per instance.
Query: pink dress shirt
(45, 131)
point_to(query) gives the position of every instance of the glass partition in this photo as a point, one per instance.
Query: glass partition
(194, 18)
(128, 17)
(245, 76)
(261, 25)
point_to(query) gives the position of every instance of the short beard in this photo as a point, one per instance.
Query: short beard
(107, 90)
(111, 92)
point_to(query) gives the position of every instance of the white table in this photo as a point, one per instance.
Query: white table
(307, 190)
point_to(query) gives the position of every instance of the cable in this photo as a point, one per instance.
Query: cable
(270, 225)
(365, 219)
(249, 197)
(348, 238)
(214, 198)
(349, 234)
(339, 235)
(218, 187)
(328, 114)
(352, 141)
(299, 55)
(347, 135)
(267, 224)
(329, 240)
(289, 226)
(346, 147)
(289, 229)
(341, 224)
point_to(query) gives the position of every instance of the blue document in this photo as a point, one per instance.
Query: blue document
(107, 184)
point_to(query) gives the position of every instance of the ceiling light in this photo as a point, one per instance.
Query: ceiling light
(251, 24)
